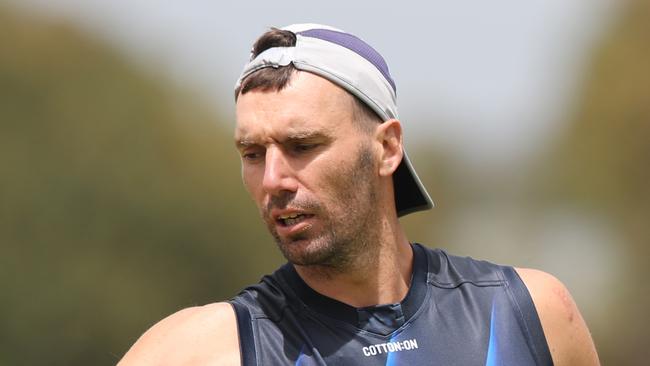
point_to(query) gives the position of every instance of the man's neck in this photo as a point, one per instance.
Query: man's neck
(382, 275)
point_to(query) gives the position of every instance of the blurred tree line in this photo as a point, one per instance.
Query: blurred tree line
(121, 200)
(602, 164)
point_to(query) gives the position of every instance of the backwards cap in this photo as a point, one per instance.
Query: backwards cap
(352, 64)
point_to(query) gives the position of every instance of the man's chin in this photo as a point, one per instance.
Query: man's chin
(305, 252)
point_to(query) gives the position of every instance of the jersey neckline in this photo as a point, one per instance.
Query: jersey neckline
(382, 319)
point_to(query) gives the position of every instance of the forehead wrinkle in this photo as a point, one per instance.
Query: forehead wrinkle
(245, 136)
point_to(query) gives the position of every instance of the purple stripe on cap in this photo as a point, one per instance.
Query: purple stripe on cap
(355, 45)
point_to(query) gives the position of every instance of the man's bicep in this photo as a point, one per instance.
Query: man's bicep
(205, 335)
(566, 332)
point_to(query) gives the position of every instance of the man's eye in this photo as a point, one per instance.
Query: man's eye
(304, 147)
(252, 156)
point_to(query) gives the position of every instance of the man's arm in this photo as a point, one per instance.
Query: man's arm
(566, 332)
(202, 335)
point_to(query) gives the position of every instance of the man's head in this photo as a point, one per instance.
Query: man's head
(275, 79)
(320, 143)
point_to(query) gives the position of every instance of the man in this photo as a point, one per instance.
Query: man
(322, 157)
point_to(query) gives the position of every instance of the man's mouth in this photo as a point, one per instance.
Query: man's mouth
(292, 219)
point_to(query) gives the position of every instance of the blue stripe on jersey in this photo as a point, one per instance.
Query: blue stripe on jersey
(300, 356)
(493, 357)
(391, 360)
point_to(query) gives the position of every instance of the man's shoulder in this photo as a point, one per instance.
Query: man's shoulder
(205, 335)
(449, 270)
(566, 332)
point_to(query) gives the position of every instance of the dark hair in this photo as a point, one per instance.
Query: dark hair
(275, 79)
(269, 79)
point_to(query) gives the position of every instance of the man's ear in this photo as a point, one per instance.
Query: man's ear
(389, 134)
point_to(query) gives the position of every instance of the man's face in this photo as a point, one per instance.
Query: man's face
(310, 169)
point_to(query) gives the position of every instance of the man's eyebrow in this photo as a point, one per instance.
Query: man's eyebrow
(295, 136)
(306, 135)
(244, 142)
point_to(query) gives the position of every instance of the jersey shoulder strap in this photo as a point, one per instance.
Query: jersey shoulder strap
(449, 271)
(246, 339)
(262, 300)
(527, 317)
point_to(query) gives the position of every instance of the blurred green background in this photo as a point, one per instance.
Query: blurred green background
(121, 201)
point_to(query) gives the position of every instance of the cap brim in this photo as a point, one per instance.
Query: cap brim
(410, 194)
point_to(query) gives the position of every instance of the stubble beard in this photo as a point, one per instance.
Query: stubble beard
(347, 231)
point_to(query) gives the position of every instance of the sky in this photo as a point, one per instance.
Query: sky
(489, 82)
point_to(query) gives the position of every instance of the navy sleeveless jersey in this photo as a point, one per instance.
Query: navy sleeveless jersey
(458, 311)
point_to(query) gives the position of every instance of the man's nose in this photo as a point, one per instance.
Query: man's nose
(278, 175)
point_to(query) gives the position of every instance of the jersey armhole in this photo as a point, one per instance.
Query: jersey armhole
(245, 330)
(528, 317)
